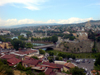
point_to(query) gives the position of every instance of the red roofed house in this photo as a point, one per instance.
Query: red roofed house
(48, 71)
(8, 56)
(94, 72)
(67, 66)
(13, 61)
(39, 68)
(52, 68)
(30, 62)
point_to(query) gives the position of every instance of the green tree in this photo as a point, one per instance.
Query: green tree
(57, 58)
(9, 71)
(41, 51)
(54, 39)
(34, 57)
(71, 38)
(60, 58)
(91, 35)
(29, 34)
(29, 45)
(98, 39)
(5, 68)
(29, 72)
(17, 44)
(20, 67)
(94, 49)
(41, 73)
(51, 53)
(77, 71)
(97, 68)
(62, 54)
(50, 59)
(97, 62)
(21, 37)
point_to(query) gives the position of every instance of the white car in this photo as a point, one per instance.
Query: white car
(94, 60)
(70, 59)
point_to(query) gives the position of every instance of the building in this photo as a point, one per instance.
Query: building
(81, 34)
(30, 62)
(94, 72)
(9, 56)
(4, 32)
(67, 66)
(66, 32)
(13, 61)
(60, 62)
(22, 54)
(6, 45)
(24, 34)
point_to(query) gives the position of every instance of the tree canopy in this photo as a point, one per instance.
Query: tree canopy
(97, 62)
(18, 43)
(54, 39)
(77, 71)
(41, 51)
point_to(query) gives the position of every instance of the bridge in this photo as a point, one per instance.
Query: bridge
(45, 46)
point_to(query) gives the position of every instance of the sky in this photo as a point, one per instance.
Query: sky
(17, 12)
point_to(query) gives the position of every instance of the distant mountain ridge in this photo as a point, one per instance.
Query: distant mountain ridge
(92, 22)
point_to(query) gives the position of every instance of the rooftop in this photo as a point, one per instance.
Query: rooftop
(13, 61)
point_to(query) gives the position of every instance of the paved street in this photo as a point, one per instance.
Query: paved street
(86, 64)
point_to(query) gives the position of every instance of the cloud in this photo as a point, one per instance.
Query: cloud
(74, 20)
(29, 4)
(11, 22)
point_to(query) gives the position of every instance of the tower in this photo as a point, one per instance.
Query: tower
(88, 25)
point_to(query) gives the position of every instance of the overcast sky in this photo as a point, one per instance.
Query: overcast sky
(15, 12)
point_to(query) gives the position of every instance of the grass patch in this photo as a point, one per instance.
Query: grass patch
(78, 55)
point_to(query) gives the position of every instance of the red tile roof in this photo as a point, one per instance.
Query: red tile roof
(26, 52)
(13, 61)
(8, 56)
(94, 72)
(48, 71)
(70, 65)
(31, 61)
(53, 73)
(51, 65)
(30, 51)
(20, 52)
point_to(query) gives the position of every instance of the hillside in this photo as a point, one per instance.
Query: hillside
(92, 22)
(80, 47)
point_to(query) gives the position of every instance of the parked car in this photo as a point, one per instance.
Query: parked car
(77, 61)
(83, 61)
(94, 60)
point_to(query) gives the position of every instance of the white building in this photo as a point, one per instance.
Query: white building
(24, 34)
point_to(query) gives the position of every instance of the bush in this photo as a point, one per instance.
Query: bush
(9, 71)
(20, 67)
(34, 57)
(50, 59)
(5, 69)
(41, 73)
(77, 71)
(41, 51)
(60, 58)
(51, 53)
(29, 72)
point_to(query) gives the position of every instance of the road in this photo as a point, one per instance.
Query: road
(87, 65)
